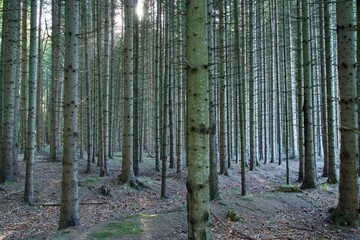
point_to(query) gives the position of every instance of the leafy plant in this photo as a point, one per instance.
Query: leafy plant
(233, 216)
(325, 186)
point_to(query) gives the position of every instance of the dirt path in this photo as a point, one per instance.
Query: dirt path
(129, 214)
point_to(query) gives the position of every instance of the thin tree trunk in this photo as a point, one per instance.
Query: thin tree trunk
(55, 82)
(31, 143)
(89, 118)
(106, 86)
(251, 87)
(223, 93)
(24, 75)
(213, 180)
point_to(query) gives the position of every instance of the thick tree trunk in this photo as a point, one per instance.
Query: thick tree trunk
(310, 170)
(69, 207)
(10, 42)
(198, 120)
(346, 212)
(127, 171)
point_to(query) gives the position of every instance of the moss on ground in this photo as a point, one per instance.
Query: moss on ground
(289, 189)
(117, 229)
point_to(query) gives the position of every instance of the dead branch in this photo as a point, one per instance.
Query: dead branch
(82, 203)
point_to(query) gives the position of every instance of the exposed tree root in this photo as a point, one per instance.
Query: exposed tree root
(134, 183)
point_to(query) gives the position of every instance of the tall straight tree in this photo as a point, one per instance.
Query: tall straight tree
(300, 92)
(331, 116)
(30, 140)
(198, 129)
(358, 66)
(127, 170)
(90, 150)
(251, 86)
(55, 81)
(69, 207)
(10, 42)
(310, 171)
(24, 73)
(223, 91)
(346, 212)
(40, 126)
(214, 183)
(106, 88)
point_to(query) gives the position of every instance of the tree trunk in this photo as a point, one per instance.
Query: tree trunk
(250, 48)
(24, 75)
(198, 120)
(106, 86)
(127, 171)
(10, 42)
(223, 93)
(69, 207)
(30, 140)
(55, 81)
(214, 184)
(89, 118)
(346, 212)
(310, 171)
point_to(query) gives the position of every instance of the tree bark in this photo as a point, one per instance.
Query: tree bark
(30, 140)
(346, 212)
(310, 170)
(69, 207)
(127, 171)
(10, 42)
(198, 120)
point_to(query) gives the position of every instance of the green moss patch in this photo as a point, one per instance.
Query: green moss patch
(148, 215)
(117, 229)
(288, 189)
(90, 180)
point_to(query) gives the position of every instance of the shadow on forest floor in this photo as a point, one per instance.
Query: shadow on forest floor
(125, 213)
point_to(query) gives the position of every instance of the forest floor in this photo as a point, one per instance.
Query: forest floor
(264, 213)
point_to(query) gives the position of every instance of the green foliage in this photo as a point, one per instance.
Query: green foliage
(116, 230)
(90, 180)
(325, 186)
(289, 188)
(232, 216)
(9, 184)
